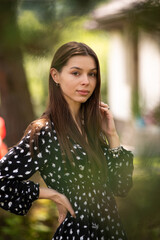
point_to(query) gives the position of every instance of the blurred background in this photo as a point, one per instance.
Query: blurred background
(125, 34)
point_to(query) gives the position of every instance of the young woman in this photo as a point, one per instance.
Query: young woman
(76, 148)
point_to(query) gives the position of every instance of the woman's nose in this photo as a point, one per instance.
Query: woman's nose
(85, 79)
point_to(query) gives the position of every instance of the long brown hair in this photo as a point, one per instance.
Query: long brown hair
(58, 110)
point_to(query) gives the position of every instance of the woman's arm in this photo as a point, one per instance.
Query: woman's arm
(120, 171)
(113, 140)
(16, 192)
(108, 126)
(61, 201)
(119, 160)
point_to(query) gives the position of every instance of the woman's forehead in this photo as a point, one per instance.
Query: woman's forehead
(81, 62)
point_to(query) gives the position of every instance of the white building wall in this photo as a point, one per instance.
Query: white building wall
(149, 71)
(119, 91)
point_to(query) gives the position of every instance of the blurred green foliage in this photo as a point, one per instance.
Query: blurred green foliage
(40, 223)
(140, 211)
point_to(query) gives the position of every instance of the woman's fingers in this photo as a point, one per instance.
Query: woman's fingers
(104, 106)
(63, 200)
(67, 204)
(105, 110)
(62, 213)
(63, 206)
(61, 219)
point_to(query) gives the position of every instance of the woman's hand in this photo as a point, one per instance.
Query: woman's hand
(108, 125)
(63, 206)
(61, 201)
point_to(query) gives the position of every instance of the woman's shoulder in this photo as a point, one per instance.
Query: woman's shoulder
(40, 124)
(39, 127)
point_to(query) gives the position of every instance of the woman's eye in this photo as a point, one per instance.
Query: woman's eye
(76, 73)
(93, 74)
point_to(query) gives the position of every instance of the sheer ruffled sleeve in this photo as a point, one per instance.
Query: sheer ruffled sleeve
(16, 192)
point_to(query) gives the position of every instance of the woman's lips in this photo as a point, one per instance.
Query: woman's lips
(83, 92)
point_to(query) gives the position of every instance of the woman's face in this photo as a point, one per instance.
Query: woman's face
(78, 79)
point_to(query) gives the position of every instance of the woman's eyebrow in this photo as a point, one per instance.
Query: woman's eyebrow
(76, 68)
(81, 68)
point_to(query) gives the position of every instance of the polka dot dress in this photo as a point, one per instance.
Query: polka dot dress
(91, 196)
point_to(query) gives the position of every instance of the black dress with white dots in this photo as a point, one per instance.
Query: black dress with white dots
(91, 197)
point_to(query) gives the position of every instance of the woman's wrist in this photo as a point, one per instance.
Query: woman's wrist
(47, 193)
(113, 140)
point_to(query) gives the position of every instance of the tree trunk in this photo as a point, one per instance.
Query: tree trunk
(16, 107)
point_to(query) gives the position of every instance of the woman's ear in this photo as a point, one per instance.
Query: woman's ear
(55, 75)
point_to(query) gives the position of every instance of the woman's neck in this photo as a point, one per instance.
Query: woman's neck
(75, 112)
(76, 117)
(74, 109)
(77, 122)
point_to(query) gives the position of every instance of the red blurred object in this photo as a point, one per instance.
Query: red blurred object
(2, 128)
(3, 147)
